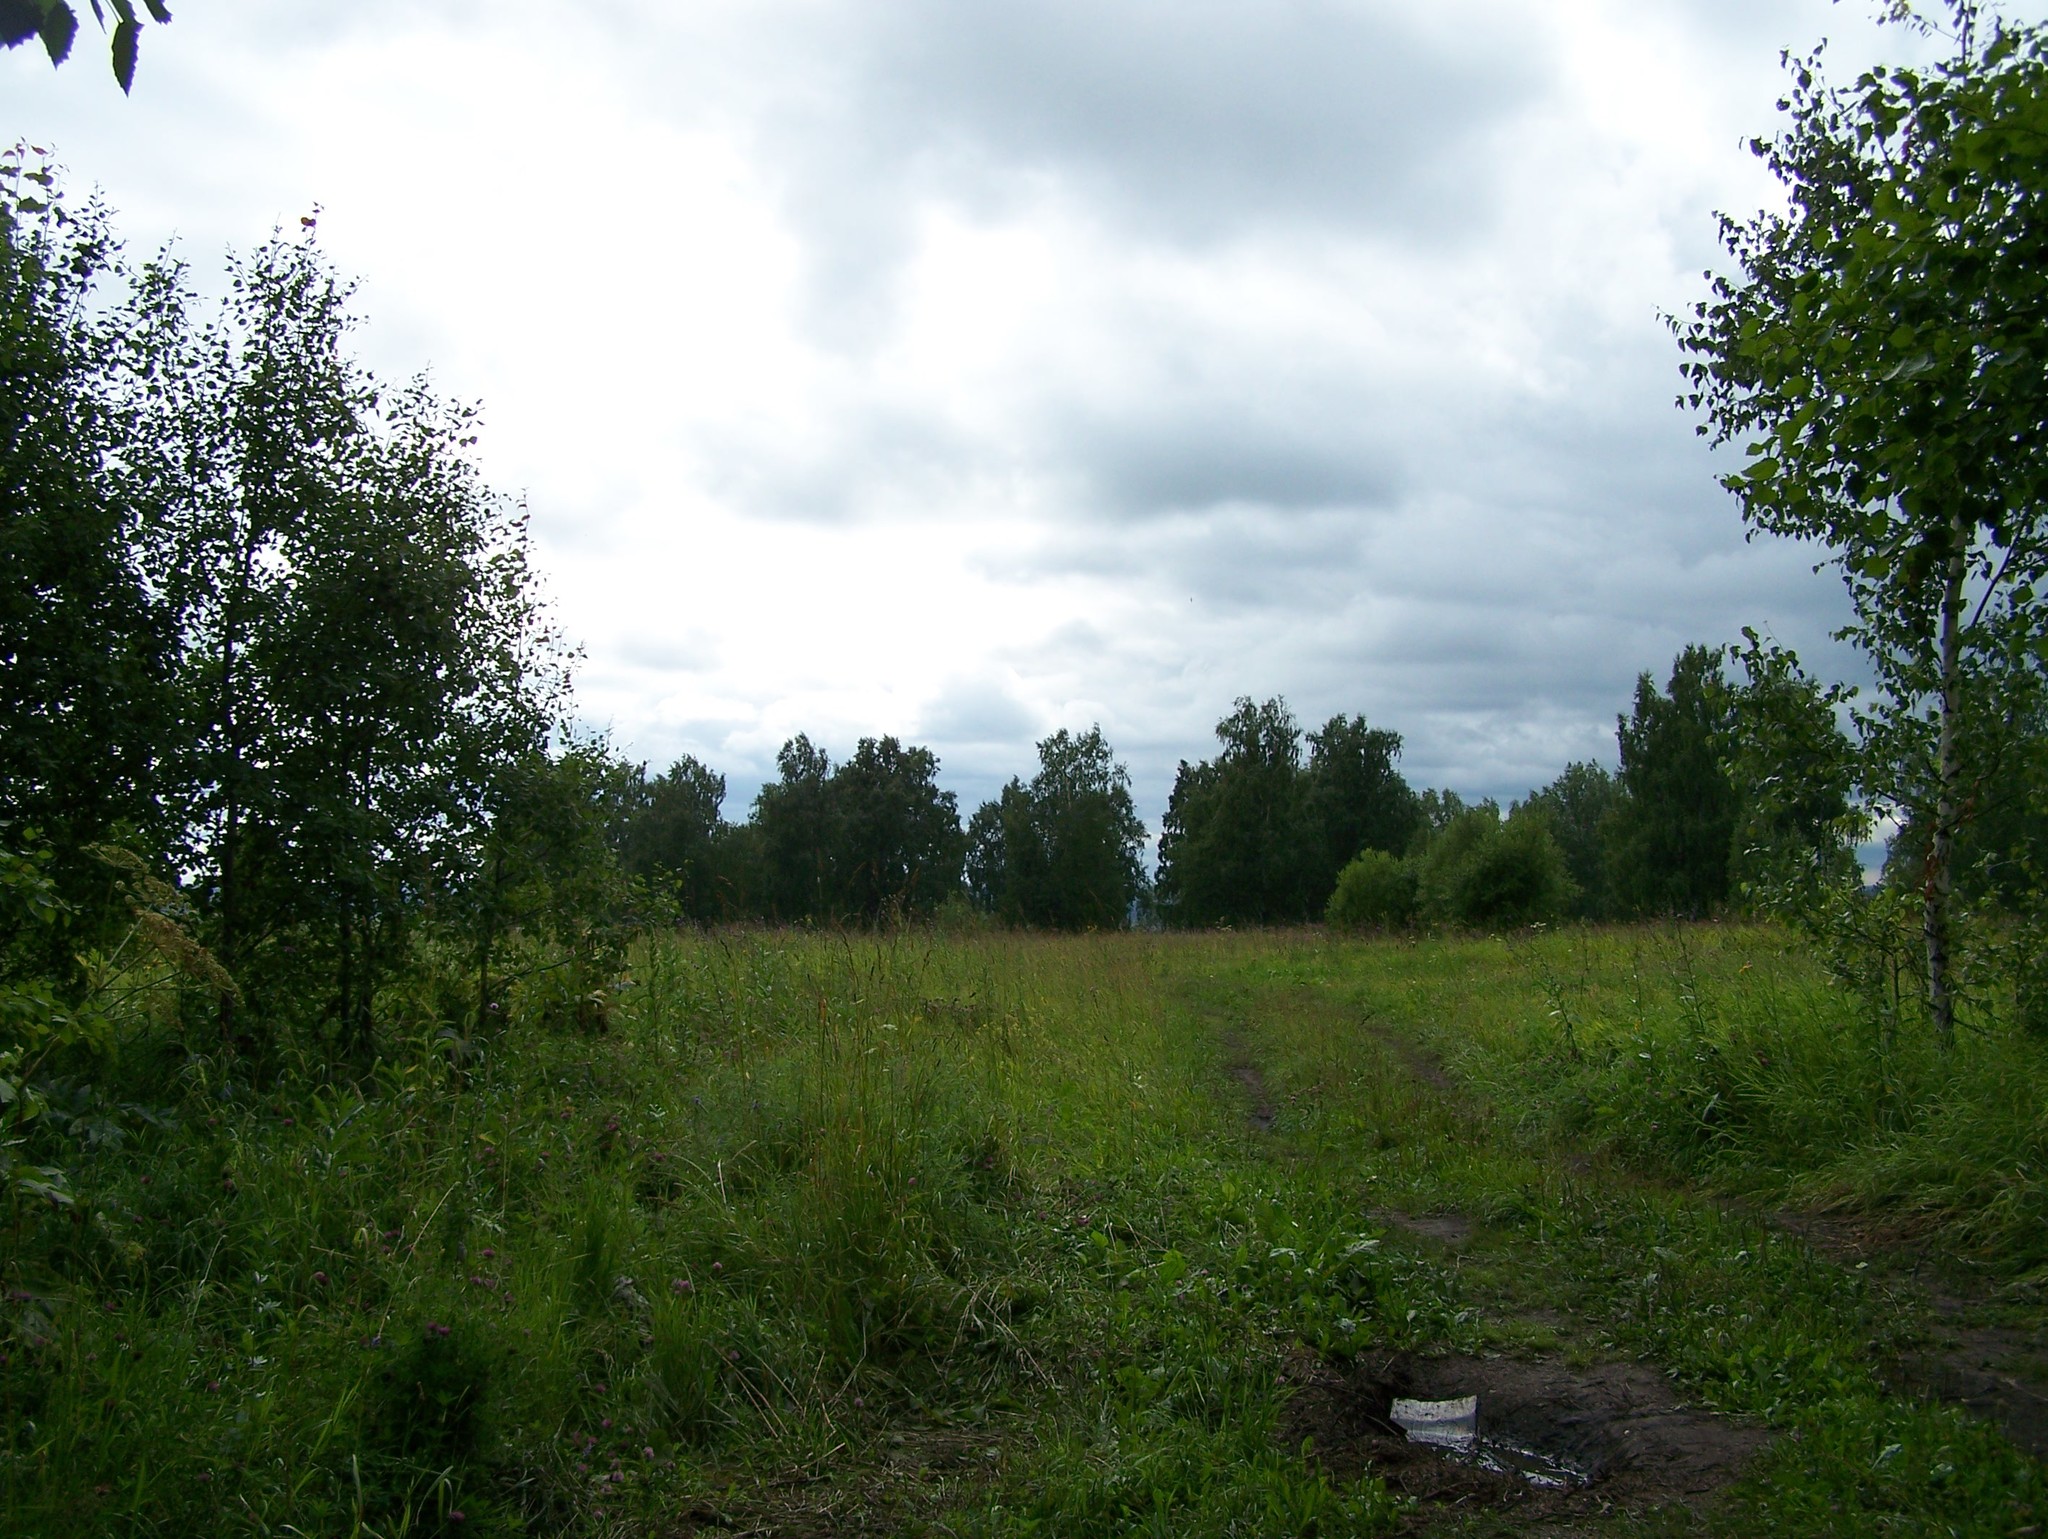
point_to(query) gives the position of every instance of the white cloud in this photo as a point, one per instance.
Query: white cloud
(963, 372)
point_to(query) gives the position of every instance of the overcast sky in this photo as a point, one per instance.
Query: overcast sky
(965, 369)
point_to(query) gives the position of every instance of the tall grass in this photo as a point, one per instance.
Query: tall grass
(1726, 1054)
(972, 1229)
(805, 1188)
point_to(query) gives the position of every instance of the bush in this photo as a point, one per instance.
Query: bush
(1375, 892)
(1485, 874)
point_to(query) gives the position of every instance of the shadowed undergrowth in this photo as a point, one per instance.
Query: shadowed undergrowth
(976, 1235)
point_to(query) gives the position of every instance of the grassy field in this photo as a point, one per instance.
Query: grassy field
(1002, 1235)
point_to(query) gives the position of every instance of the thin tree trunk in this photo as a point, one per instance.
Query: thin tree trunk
(1939, 885)
(231, 876)
(483, 963)
(230, 833)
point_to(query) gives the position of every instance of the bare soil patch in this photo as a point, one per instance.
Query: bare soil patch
(1998, 1371)
(1449, 1230)
(1417, 1060)
(1998, 1374)
(1620, 1429)
(1259, 1101)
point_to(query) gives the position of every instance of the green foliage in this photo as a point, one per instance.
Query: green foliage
(1794, 769)
(670, 835)
(550, 910)
(901, 848)
(1377, 891)
(1670, 834)
(1481, 872)
(871, 841)
(1881, 361)
(798, 819)
(430, 1402)
(1063, 851)
(1353, 797)
(84, 702)
(1233, 846)
(981, 1208)
(1256, 836)
(362, 655)
(54, 23)
(1578, 804)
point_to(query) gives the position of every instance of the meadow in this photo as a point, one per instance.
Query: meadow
(990, 1233)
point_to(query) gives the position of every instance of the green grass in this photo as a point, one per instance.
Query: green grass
(973, 1235)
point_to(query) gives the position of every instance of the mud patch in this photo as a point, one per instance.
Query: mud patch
(1417, 1060)
(1449, 1230)
(1260, 1108)
(1618, 1432)
(1998, 1372)
(1999, 1375)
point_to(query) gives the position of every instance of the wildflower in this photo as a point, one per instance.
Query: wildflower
(680, 1285)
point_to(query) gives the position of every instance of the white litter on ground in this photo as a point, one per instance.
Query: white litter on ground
(1452, 1424)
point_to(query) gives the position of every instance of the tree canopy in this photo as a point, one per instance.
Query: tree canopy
(1669, 836)
(1062, 850)
(1881, 359)
(1258, 835)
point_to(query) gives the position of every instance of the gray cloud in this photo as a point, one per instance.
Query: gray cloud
(1437, 479)
(976, 712)
(1195, 120)
(1188, 124)
(1220, 451)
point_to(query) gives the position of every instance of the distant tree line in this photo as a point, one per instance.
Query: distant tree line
(874, 840)
(1733, 779)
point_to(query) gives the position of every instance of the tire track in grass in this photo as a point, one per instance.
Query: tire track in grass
(1624, 1429)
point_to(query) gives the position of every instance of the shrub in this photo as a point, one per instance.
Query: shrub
(1482, 873)
(1376, 891)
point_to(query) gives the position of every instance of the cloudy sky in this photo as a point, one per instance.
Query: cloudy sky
(965, 369)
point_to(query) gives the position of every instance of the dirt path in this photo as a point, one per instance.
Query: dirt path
(1995, 1371)
(1998, 1371)
(1565, 1442)
(1623, 1424)
(1259, 1107)
(1560, 1444)
(1421, 1064)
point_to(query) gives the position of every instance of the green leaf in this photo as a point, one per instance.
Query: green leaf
(59, 27)
(126, 38)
